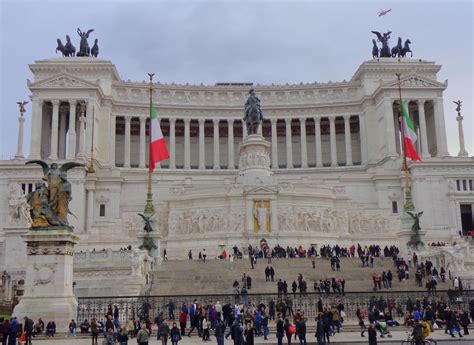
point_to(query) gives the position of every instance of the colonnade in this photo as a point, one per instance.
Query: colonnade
(217, 127)
(66, 141)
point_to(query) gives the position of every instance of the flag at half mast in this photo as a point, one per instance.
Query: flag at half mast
(158, 150)
(409, 136)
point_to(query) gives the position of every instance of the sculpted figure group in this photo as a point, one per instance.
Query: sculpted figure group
(50, 203)
(397, 51)
(68, 49)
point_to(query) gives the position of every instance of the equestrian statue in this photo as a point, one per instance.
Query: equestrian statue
(253, 113)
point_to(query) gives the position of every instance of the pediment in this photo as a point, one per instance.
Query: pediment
(262, 190)
(416, 82)
(61, 81)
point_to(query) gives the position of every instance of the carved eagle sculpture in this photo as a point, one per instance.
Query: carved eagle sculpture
(148, 226)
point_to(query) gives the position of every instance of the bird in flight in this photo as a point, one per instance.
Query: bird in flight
(384, 12)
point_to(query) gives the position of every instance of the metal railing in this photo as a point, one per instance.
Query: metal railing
(139, 306)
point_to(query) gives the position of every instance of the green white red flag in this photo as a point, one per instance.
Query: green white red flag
(409, 136)
(158, 150)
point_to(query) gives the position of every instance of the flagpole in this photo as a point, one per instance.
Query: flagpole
(149, 208)
(408, 205)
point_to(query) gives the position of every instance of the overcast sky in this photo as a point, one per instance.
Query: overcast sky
(221, 41)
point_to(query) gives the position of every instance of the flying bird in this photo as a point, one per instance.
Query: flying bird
(384, 12)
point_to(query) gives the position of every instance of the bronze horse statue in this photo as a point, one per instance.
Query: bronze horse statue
(398, 49)
(66, 50)
(375, 50)
(406, 49)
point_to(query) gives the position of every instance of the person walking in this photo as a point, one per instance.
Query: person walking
(175, 334)
(372, 335)
(163, 333)
(122, 337)
(94, 331)
(142, 336)
(280, 330)
(249, 334)
(28, 328)
(301, 330)
(183, 318)
(219, 332)
(289, 331)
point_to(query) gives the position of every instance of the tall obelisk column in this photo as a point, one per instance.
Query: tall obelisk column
(459, 118)
(21, 122)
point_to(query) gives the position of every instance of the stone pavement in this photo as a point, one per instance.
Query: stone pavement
(342, 338)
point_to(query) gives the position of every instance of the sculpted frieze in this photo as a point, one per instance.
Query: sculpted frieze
(205, 221)
(312, 219)
(366, 223)
(19, 209)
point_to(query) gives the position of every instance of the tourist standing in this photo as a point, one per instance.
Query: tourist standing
(183, 318)
(28, 329)
(163, 333)
(249, 334)
(72, 328)
(142, 336)
(280, 330)
(175, 334)
(94, 331)
(122, 337)
(204, 254)
(301, 328)
(109, 337)
(372, 335)
(219, 332)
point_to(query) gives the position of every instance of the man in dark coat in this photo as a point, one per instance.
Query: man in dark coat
(372, 335)
(28, 328)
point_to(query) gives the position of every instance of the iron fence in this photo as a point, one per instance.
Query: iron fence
(140, 306)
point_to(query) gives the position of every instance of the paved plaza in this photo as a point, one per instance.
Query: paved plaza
(341, 338)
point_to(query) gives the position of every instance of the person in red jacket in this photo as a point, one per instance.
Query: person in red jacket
(183, 318)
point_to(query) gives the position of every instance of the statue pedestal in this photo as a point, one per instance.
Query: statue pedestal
(404, 236)
(254, 161)
(155, 236)
(49, 276)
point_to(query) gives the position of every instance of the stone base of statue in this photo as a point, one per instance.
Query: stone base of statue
(254, 161)
(154, 253)
(49, 277)
(405, 235)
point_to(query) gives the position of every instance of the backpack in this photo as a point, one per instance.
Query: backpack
(291, 329)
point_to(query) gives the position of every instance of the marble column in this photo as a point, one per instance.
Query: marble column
(142, 159)
(202, 143)
(317, 133)
(274, 144)
(126, 151)
(172, 143)
(304, 150)
(53, 155)
(425, 152)
(82, 133)
(71, 145)
(89, 127)
(332, 138)
(363, 139)
(348, 139)
(113, 120)
(62, 133)
(289, 148)
(462, 146)
(216, 144)
(36, 128)
(441, 142)
(187, 160)
(387, 111)
(230, 144)
(19, 147)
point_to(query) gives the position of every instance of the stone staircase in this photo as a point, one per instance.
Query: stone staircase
(183, 277)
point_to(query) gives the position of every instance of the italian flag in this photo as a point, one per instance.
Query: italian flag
(409, 136)
(158, 150)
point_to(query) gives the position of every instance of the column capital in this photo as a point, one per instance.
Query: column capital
(201, 121)
(72, 102)
(332, 118)
(187, 121)
(317, 119)
(172, 120)
(273, 120)
(288, 119)
(215, 121)
(55, 102)
(302, 119)
(128, 118)
(420, 101)
(143, 119)
(346, 117)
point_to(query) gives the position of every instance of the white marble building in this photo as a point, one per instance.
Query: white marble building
(333, 166)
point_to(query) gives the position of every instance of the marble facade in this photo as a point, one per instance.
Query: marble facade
(329, 168)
